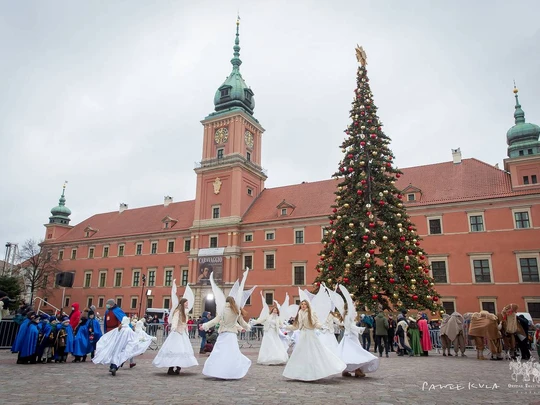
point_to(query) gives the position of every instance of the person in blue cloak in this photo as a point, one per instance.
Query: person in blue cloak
(16, 347)
(43, 345)
(113, 319)
(64, 340)
(94, 332)
(27, 350)
(81, 341)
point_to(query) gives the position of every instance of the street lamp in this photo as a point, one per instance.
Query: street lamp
(142, 292)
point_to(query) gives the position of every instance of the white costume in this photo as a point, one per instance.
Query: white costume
(272, 350)
(326, 335)
(226, 361)
(310, 360)
(177, 350)
(350, 350)
(141, 342)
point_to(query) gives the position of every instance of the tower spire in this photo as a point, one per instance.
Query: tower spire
(235, 61)
(519, 114)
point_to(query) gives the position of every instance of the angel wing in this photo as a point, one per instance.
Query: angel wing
(265, 312)
(283, 308)
(321, 304)
(219, 297)
(291, 312)
(337, 300)
(246, 295)
(303, 296)
(189, 296)
(234, 289)
(351, 310)
(174, 297)
(239, 294)
(309, 295)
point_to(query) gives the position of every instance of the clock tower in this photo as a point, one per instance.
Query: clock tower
(229, 176)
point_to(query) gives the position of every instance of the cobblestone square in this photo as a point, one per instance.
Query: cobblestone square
(399, 380)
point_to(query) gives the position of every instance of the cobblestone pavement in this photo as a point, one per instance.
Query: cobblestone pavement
(399, 380)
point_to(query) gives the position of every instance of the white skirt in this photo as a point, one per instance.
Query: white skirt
(329, 340)
(226, 361)
(176, 352)
(351, 352)
(311, 360)
(111, 348)
(272, 350)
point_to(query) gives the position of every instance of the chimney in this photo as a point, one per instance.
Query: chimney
(496, 165)
(456, 155)
(123, 207)
(167, 200)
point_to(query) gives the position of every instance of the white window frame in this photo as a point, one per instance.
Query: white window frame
(413, 197)
(167, 297)
(174, 245)
(284, 212)
(244, 260)
(303, 236)
(527, 255)
(449, 299)
(250, 191)
(298, 264)
(148, 271)
(210, 240)
(85, 274)
(296, 300)
(323, 230)
(133, 277)
(123, 246)
(522, 209)
(270, 231)
(246, 235)
(137, 248)
(531, 300)
(67, 301)
(184, 247)
(266, 253)
(102, 299)
(182, 270)
(481, 256)
(73, 256)
(218, 206)
(487, 299)
(222, 153)
(99, 279)
(136, 298)
(106, 248)
(440, 218)
(61, 256)
(165, 270)
(157, 247)
(269, 292)
(93, 250)
(121, 298)
(121, 272)
(476, 214)
(88, 303)
(439, 259)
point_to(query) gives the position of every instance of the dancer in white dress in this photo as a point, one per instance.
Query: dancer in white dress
(177, 351)
(326, 335)
(272, 349)
(359, 360)
(226, 361)
(310, 359)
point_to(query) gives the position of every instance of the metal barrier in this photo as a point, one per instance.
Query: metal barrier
(8, 333)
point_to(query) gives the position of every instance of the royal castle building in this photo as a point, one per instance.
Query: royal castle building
(480, 225)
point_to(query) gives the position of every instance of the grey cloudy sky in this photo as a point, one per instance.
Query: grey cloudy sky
(109, 94)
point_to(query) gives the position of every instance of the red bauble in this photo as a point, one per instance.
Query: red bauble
(373, 136)
(381, 203)
(330, 267)
(334, 210)
(435, 298)
(417, 243)
(426, 271)
(318, 270)
(367, 265)
(392, 281)
(415, 297)
(399, 196)
(402, 238)
(362, 143)
(365, 237)
(346, 280)
(422, 257)
(389, 165)
(426, 282)
(350, 155)
(374, 297)
(409, 252)
(333, 240)
(322, 258)
(318, 284)
(410, 228)
(398, 175)
(359, 192)
(407, 267)
(351, 169)
(331, 222)
(372, 225)
(362, 113)
(342, 169)
(371, 251)
(363, 181)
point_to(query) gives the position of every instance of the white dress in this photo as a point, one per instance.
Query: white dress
(351, 351)
(112, 348)
(226, 361)
(176, 350)
(311, 360)
(141, 343)
(327, 337)
(272, 350)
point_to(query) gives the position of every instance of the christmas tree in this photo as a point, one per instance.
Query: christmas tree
(370, 245)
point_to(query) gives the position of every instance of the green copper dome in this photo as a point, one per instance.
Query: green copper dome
(60, 213)
(234, 92)
(522, 138)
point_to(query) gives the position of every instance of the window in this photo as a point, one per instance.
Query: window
(299, 236)
(151, 278)
(476, 222)
(87, 279)
(482, 273)
(224, 92)
(435, 226)
(248, 237)
(488, 306)
(187, 245)
(248, 156)
(250, 191)
(73, 254)
(220, 153)
(269, 297)
(138, 249)
(284, 211)
(60, 255)
(102, 279)
(529, 151)
(170, 246)
(45, 281)
(105, 251)
(270, 235)
(410, 197)
(133, 302)
(89, 302)
(118, 278)
(449, 307)
(438, 269)
(91, 253)
(215, 212)
(185, 274)
(529, 269)
(248, 302)
(269, 261)
(136, 278)
(49, 254)
(121, 250)
(166, 225)
(296, 300)
(149, 302)
(525, 179)
(166, 302)
(168, 278)
(533, 179)
(521, 153)
(153, 249)
(213, 241)
(100, 302)
(45, 301)
(66, 302)
(533, 308)
(522, 219)
(248, 262)
(299, 275)
(119, 301)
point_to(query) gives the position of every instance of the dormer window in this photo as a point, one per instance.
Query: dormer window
(224, 92)
(412, 193)
(89, 232)
(285, 208)
(168, 222)
(284, 211)
(248, 95)
(411, 197)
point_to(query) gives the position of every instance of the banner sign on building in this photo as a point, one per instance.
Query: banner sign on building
(210, 261)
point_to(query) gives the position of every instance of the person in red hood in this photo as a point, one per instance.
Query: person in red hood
(75, 315)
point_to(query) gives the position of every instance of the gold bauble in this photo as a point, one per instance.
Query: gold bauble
(340, 188)
(390, 271)
(399, 225)
(399, 303)
(428, 297)
(413, 287)
(374, 153)
(372, 242)
(351, 225)
(338, 197)
(400, 205)
(420, 267)
(385, 237)
(442, 311)
(323, 255)
(329, 280)
(362, 163)
(349, 253)
(395, 295)
(390, 265)
(406, 258)
(346, 205)
(391, 251)
(347, 237)
(338, 217)
(367, 255)
(347, 265)
(368, 206)
(371, 280)
(385, 192)
(344, 150)
(392, 182)
(414, 240)
(431, 284)
(398, 215)
(413, 281)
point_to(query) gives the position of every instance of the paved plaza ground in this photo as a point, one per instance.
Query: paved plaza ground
(399, 380)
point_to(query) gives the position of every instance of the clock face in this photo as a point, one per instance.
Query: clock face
(248, 137)
(221, 135)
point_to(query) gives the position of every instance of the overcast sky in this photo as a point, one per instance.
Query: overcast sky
(109, 94)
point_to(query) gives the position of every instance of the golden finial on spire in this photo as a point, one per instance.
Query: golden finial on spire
(238, 18)
(515, 88)
(361, 55)
(65, 184)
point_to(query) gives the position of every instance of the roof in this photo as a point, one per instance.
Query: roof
(134, 221)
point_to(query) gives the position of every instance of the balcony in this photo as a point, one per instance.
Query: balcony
(230, 160)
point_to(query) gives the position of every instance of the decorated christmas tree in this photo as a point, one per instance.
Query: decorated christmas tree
(370, 245)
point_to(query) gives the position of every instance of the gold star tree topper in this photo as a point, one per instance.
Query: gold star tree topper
(361, 55)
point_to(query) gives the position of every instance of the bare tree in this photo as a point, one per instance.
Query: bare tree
(37, 268)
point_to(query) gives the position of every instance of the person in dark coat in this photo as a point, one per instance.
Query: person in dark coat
(391, 331)
(202, 333)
